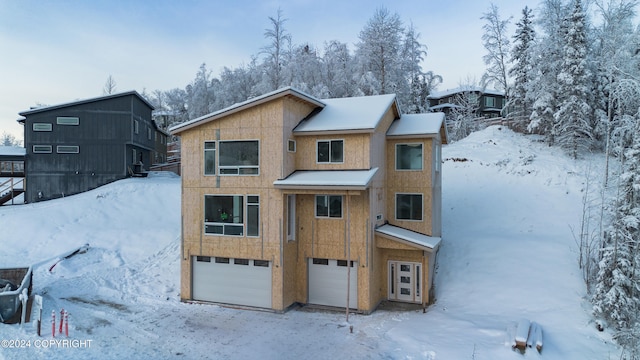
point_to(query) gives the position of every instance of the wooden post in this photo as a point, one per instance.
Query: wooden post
(348, 255)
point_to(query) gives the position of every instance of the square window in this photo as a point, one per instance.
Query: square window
(409, 156)
(329, 206)
(409, 207)
(330, 151)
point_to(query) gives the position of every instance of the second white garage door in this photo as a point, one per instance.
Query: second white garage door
(328, 282)
(232, 281)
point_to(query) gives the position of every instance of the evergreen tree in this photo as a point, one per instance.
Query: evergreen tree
(573, 124)
(520, 101)
(616, 296)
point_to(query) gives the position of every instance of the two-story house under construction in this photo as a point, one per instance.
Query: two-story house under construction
(288, 199)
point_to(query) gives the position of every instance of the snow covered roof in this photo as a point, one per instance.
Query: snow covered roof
(362, 113)
(460, 89)
(338, 179)
(78, 102)
(176, 129)
(417, 124)
(413, 238)
(12, 151)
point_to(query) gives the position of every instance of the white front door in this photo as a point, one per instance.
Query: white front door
(405, 281)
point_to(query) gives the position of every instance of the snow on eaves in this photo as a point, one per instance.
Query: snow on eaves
(421, 240)
(12, 151)
(417, 124)
(243, 105)
(351, 179)
(352, 113)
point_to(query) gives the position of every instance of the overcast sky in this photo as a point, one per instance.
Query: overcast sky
(53, 52)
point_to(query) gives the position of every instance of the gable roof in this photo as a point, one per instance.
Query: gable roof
(86, 101)
(287, 91)
(352, 114)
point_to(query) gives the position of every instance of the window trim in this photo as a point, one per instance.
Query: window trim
(330, 160)
(215, 163)
(421, 156)
(238, 167)
(46, 149)
(73, 149)
(44, 127)
(68, 120)
(328, 216)
(396, 207)
(246, 204)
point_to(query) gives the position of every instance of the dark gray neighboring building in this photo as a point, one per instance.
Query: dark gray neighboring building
(78, 146)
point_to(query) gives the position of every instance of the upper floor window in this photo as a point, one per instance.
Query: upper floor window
(67, 120)
(489, 101)
(209, 157)
(42, 149)
(409, 207)
(239, 157)
(67, 149)
(149, 133)
(330, 151)
(291, 146)
(329, 206)
(42, 127)
(136, 126)
(409, 157)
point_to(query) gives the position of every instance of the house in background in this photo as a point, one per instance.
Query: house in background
(486, 103)
(11, 173)
(290, 199)
(78, 146)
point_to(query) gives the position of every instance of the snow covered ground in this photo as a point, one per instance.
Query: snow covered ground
(507, 254)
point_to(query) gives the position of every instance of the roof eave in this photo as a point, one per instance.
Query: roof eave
(410, 243)
(175, 130)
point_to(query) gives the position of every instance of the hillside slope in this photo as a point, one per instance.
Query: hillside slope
(508, 253)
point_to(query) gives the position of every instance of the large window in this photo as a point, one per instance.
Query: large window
(225, 215)
(209, 157)
(409, 207)
(239, 157)
(329, 206)
(409, 157)
(330, 151)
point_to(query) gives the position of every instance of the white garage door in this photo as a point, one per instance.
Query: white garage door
(232, 281)
(328, 282)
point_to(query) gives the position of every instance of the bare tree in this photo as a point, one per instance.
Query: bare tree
(496, 41)
(9, 140)
(109, 86)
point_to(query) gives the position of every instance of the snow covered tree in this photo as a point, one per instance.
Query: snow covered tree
(617, 292)
(496, 42)
(276, 55)
(520, 100)
(547, 59)
(461, 120)
(8, 139)
(573, 123)
(200, 93)
(338, 70)
(379, 54)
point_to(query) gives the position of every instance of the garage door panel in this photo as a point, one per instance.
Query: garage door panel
(328, 284)
(231, 283)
